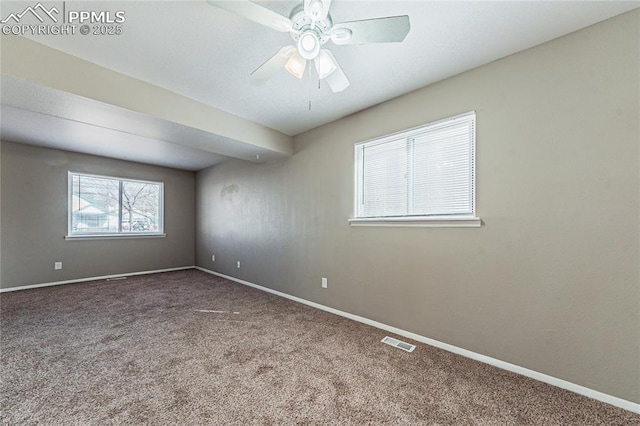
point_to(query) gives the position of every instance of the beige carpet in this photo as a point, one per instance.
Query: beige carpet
(138, 352)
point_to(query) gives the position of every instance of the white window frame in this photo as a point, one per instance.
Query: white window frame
(113, 235)
(452, 220)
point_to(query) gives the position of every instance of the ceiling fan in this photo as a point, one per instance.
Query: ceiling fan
(310, 26)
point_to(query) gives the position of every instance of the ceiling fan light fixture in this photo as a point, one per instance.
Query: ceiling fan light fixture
(308, 45)
(310, 26)
(296, 65)
(325, 64)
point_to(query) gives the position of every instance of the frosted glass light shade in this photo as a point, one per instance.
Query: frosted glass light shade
(325, 64)
(296, 65)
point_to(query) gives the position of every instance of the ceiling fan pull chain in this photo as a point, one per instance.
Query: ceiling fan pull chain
(310, 79)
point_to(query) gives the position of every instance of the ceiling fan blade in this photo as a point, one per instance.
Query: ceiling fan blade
(326, 4)
(274, 64)
(319, 9)
(255, 13)
(337, 81)
(378, 30)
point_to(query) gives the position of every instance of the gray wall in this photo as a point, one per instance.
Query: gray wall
(34, 219)
(551, 280)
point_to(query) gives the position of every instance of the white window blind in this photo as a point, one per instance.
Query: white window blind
(427, 171)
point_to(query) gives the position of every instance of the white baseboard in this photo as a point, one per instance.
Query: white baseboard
(609, 399)
(82, 280)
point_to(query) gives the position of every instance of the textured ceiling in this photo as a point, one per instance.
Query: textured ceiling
(204, 53)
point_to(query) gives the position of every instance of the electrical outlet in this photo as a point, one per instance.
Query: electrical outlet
(213, 257)
(238, 264)
(324, 282)
(57, 265)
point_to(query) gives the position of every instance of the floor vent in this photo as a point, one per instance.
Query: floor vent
(398, 344)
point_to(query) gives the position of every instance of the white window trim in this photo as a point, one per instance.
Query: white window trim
(420, 221)
(111, 235)
(470, 221)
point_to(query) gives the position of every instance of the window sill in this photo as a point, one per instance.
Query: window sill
(113, 236)
(426, 221)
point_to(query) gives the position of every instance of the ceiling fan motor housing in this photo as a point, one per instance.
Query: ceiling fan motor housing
(308, 33)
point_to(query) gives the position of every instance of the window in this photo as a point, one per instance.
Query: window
(426, 174)
(109, 206)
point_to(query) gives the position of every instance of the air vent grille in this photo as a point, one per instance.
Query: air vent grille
(398, 344)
